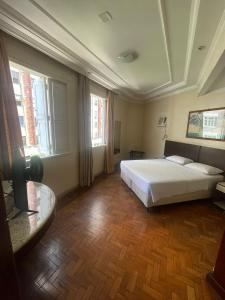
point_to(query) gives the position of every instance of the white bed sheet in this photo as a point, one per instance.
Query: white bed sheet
(160, 178)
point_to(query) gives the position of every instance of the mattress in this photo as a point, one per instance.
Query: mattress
(159, 181)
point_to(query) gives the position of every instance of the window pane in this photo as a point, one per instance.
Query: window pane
(58, 122)
(29, 90)
(97, 120)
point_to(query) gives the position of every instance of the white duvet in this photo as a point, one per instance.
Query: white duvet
(161, 178)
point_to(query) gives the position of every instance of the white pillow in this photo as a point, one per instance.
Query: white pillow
(179, 159)
(206, 169)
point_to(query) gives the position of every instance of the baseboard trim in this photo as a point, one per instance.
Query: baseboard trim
(68, 196)
(219, 288)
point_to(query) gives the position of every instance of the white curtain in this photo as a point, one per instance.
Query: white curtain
(109, 138)
(84, 119)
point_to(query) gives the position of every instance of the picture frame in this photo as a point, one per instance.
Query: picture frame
(208, 124)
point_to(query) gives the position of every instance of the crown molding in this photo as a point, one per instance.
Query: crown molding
(195, 4)
(133, 94)
(46, 13)
(212, 64)
(108, 85)
(183, 85)
(20, 27)
(13, 23)
(163, 18)
(167, 90)
(172, 93)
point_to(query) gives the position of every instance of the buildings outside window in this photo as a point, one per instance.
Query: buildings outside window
(213, 124)
(98, 107)
(210, 121)
(41, 105)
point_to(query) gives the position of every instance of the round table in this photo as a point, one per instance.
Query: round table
(27, 228)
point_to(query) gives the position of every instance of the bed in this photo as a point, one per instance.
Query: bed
(159, 181)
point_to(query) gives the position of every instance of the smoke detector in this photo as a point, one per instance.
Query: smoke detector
(105, 16)
(127, 56)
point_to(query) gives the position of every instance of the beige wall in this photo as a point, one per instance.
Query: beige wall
(61, 172)
(131, 117)
(176, 107)
(135, 126)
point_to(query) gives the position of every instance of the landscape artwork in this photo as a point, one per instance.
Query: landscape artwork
(207, 124)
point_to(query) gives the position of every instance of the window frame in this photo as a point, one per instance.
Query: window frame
(103, 144)
(47, 78)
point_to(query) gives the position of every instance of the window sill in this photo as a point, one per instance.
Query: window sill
(53, 156)
(99, 146)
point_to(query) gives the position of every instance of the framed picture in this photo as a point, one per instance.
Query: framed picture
(162, 121)
(207, 124)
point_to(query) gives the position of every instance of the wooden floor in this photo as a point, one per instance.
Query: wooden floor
(105, 245)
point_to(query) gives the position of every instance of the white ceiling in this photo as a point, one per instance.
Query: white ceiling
(166, 35)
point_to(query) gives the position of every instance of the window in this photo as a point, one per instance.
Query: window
(15, 76)
(41, 106)
(98, 105)
(21, 120)
(210, 121)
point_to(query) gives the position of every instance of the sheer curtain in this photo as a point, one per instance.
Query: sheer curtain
(11, 143)
(109, 151)
(84, 119)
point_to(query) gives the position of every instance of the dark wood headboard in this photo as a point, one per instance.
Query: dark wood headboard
(205, 155)
(213, 157)
(182, 149)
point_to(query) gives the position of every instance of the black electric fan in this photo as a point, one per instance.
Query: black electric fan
(20, 175)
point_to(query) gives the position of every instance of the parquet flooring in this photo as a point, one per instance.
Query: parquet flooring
(105, 245)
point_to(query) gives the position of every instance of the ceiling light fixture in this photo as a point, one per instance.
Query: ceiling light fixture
(127, 56)
(105, 16)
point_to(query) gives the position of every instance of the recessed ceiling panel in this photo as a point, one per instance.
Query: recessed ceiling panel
(135, 25)
(178, 18)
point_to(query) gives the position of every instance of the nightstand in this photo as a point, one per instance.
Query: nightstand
(136, 154)
(219, 195)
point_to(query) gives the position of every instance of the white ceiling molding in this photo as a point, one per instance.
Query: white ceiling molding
(168, 90)
(16, 25)
(162, 13)
(134, 95)
(108, 85)
(215, 72)
(195, 4)
(75, 38)
(172, 93)
(47, 49)
(214, 62)
(13, 22)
